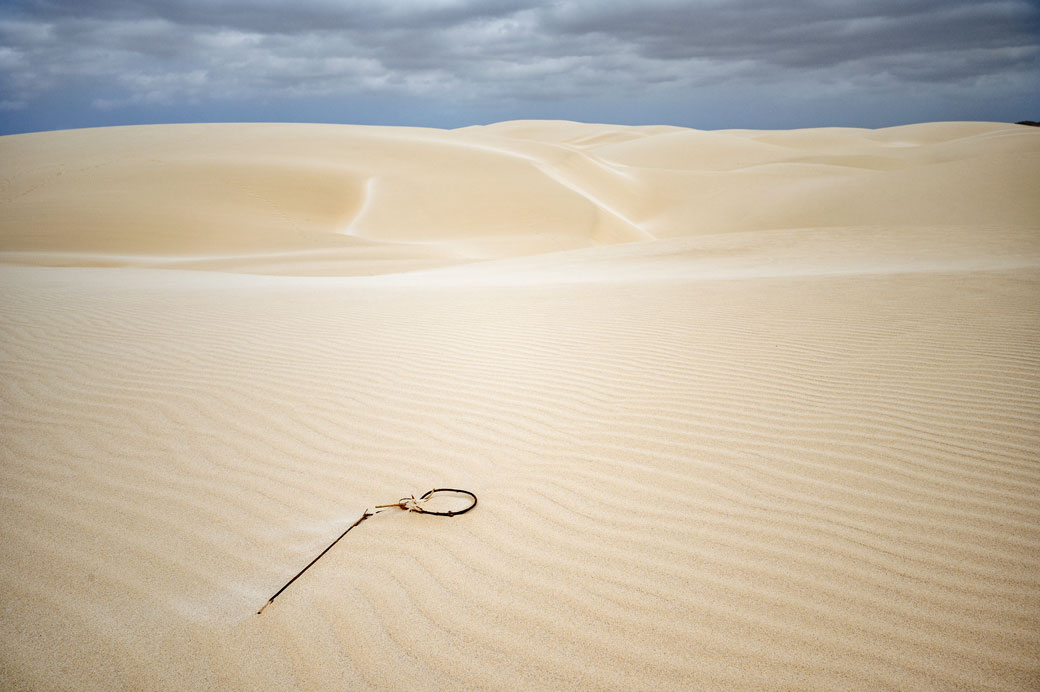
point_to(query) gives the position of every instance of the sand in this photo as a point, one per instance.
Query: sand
(744, 409)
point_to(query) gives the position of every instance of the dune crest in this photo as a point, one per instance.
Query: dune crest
(743, 409)
(341, 200)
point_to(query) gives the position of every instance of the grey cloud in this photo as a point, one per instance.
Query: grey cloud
(278, 16)
(506, 51)
(806, 34)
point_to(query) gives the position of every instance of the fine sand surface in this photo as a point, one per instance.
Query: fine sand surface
(744, 409)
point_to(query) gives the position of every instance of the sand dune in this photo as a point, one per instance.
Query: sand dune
(744, 410)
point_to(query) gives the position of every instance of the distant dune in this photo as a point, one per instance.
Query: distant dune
(338, 200)
(744, 409)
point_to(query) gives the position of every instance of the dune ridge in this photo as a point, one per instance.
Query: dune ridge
(338, 200)
(744, 410)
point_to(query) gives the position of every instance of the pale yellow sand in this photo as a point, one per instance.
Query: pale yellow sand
(744, 410)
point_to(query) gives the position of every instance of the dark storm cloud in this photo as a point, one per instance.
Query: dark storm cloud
(815, 34)
(481, 51)
(268, 16)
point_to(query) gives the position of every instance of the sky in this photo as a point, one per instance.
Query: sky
(708, 64)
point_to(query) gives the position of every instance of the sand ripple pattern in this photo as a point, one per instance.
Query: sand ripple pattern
(684, 481)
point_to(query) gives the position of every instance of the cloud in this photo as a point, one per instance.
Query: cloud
(504, 51)
(815, 35)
